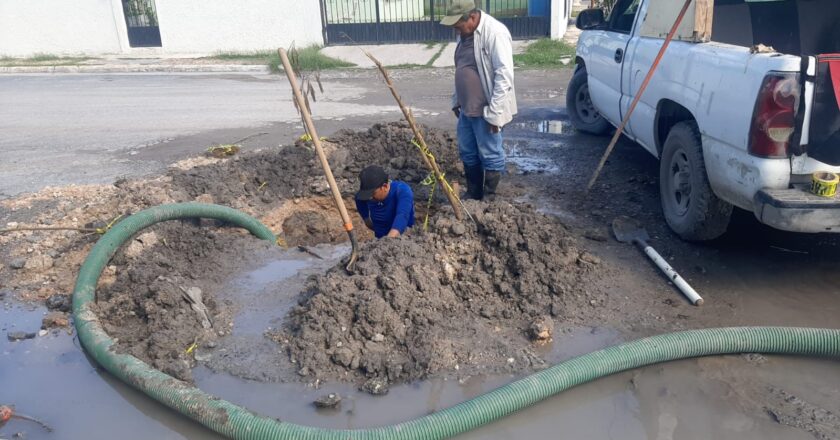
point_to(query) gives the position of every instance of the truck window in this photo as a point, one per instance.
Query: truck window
(790, 26)
(623, 16)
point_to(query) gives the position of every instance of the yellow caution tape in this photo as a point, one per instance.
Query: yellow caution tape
(102, 231)
(824, 184)
(306, 137)
(431, 181)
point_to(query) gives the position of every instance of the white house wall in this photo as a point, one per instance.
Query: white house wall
(60, 27)
(206, 26)
(560, 12)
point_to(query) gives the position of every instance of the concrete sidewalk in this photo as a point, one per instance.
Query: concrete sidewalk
(432, 55)
(154, 63)
(437, 55)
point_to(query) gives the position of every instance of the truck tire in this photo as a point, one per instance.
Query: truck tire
(582, 112)
(690, 207)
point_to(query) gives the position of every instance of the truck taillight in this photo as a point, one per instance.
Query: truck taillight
(774, 120)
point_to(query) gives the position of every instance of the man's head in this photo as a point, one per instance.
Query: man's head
(373, 184)
(463, 16)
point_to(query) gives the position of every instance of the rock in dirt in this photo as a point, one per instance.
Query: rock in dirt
(377, 387)
(458, 229)
(60, 302)
(141, 243)
(55, 320)
(39, 262)
(508, 270)
(541, 329)
(587, 258)
(17, 263)
(19, 336)
(596, 234)
(331, 400)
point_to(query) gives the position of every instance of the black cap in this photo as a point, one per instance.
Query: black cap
(370, 179)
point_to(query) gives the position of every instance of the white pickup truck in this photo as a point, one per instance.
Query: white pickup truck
(731, 126)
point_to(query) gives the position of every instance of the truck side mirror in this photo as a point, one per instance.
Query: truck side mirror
(590, 19)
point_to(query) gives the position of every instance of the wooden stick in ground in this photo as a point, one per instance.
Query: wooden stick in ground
(429, 161)
(322, 157)
(653, 67)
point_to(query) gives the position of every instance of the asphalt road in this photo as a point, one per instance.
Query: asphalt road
(61, 129)
(78, 129)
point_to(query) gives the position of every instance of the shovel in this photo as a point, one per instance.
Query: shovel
(310, 128)
(627, 230)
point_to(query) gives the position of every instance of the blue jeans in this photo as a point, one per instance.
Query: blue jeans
(478, 146)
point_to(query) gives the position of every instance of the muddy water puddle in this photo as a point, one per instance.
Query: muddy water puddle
(529, 144)
(530, 158)
(547, 126)
(49, 377)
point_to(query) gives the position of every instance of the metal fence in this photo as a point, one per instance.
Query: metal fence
(395, 21)
(142, 23)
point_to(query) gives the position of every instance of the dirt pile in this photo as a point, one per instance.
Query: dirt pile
(142, 301)
(460, 297)
(271, 184)
(294, 172)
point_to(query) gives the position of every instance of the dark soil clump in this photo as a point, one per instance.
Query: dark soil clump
(293, 171)
(143, 306)
(310, 228)
(451, 299)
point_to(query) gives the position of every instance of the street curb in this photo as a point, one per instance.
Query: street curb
(139, 68)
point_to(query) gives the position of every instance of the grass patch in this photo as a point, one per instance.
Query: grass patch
(261, 56)
(434, 58)
(407, 66)
(545, 53)
(41, 59)
(431, 44)
(310, 57)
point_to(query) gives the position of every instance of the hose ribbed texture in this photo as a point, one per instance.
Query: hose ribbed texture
(239, 423)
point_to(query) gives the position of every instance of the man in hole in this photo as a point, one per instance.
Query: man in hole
(386, 206)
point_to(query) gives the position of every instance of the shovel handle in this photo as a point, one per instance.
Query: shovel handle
(310, 127)
(672, 274)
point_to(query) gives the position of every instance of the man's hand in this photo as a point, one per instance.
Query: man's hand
(494, 128)
(393, 233)
(457, 111)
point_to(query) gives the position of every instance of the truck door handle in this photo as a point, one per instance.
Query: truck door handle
(619, 55)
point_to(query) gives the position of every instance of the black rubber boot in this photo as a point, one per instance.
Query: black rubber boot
(475, 182)
(491, 182)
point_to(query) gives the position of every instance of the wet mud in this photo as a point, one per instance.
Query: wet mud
(458, 298)
(751, 277)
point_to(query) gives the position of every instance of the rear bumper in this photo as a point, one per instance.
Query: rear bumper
(797, 210)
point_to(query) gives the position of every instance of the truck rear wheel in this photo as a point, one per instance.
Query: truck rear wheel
(582, 112)
(690, 207)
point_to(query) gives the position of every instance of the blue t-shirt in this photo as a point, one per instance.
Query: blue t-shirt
(395, 212)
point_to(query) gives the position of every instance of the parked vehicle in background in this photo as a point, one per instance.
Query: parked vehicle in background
(734, 124)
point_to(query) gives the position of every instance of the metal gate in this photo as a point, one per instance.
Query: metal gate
(410, 21)
(142, 23)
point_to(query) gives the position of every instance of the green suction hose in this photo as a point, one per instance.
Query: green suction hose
(239, 423)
